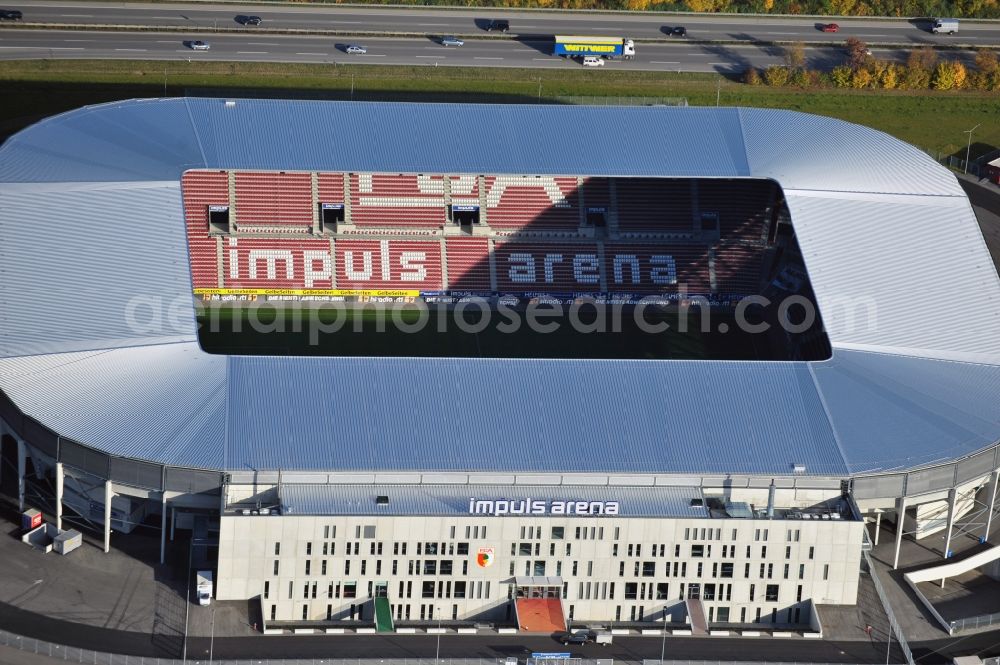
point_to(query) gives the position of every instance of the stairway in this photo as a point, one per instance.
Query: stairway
(540, 615)
(383, 616)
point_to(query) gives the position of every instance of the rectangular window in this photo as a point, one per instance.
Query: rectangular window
(309, 549)
(462, 549)
(350, 589)
(753, 589)
(305, 590)
(662, 590)
(539, 569)
(326, 548)
(430, 548)
(785, 573)
(631, 590)
(277, 549)
(459, 589)
(726, 570)
(708, 592)
(648, 568)
(524, 549)
(427, 590)
(697, 551)
(770, 570)
(308, 566)
(347, 567)
(826, 571)
(811, 549)
(445, 568)
(802, 571)
(430, 567)
(771, 593)
(267, 590)
(275, 566)
(722, 615)
(557, 532)
(798, 594)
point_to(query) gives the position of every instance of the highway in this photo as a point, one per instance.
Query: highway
(669, 56)
(355, 20)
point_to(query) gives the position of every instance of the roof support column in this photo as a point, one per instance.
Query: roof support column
(952, 499)
(994, 477)
(107, 515)
(60, 475)
(163, 526)
(22, 463)
(900, 519)
(878, 526)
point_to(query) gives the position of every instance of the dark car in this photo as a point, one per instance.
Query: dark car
(678, 31)
(500, 25)
(250, 20)
(577, 637)
(11, 15)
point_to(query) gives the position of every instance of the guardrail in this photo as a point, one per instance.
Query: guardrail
(893, 624)
(971, 623)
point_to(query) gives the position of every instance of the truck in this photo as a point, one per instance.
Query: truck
(604, 47)
(945, 25)
(203, 587)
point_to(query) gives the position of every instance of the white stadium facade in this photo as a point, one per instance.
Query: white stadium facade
(533, 490)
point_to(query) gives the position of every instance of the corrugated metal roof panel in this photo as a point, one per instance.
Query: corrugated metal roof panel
(526, 415)
(903, 274)
(135, 140)
(893, 412)
(92, 266)
(164, 403)
(450, 500)
(803, 151)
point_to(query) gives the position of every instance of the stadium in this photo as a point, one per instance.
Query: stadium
(351, 474)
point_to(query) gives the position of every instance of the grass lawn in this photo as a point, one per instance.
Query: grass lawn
(37, 88)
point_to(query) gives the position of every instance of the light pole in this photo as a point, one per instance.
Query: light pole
(211, 641)
(663, 643)
(437, 650)
(968, 146)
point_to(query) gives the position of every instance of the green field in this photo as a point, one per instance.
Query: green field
(39, 88)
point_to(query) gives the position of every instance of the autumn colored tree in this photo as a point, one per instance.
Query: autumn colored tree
(795, 55)
(861, 78)
(857, 53)
(776, 75)
(841, 76)
(751, 76)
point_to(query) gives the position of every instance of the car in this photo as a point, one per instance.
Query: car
(678, 31)
(355, 49)
(592, 61)
(577, 637)
(199, 45)
(830, 27)
(451, 41)
(501, 25)
(11, 15)
(250, 20)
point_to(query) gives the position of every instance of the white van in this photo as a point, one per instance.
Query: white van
(945, 25)
(592, 61)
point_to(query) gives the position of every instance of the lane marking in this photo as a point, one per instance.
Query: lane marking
(79, 40)
(662, 62)
(134, 50)
(251, 52)
(377, 55)
(77, 15)
(323, 54)
(416, 56)
(67, 48)
(484, 58)
(434, 25)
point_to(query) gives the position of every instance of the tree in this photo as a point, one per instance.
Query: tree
(795, 55)
(943, 77)
(960, 73)
(776, 75)
(841, 76)
(889, 76)
(861, 78)
(923, 58)
(751, 76)
(857, 53)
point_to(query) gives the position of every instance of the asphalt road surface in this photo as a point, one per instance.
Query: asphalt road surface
(205, 16)
(669, 56)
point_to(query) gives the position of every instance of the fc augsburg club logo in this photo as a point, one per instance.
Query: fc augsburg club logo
(485, 557)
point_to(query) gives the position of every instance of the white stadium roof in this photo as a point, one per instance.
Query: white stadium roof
(91, 222)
